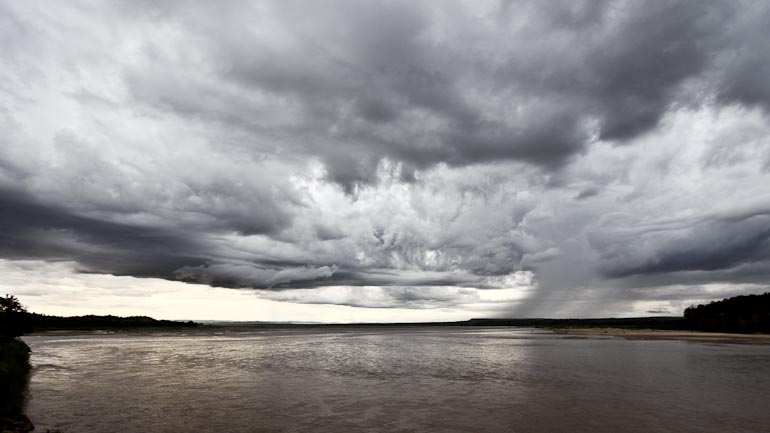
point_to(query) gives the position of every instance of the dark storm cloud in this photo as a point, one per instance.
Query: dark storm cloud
(298, 275)
(385, 297)
(364, 81)
(711, 245)
(33, 230)
(371, 80)
(636, 73)
(748, 62)
(587, 193)
(401, 145)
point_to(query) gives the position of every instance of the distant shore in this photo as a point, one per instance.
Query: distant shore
(663, 334)
(575, 332)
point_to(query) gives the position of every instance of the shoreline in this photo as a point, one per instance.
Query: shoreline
(662, 334)
(567, 332)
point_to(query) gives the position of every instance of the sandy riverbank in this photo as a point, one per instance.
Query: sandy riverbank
(632, 334)
(658, 334)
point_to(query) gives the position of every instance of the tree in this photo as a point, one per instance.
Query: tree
(745, 314)
(11, 304)
(13, 318)
(14, 364)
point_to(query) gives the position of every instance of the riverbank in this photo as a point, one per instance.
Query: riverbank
(14, 376)
(570, 332)
(660, 334)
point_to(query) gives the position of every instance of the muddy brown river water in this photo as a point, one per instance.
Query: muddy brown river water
(395, 380)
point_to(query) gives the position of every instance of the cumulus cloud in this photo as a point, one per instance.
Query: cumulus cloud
(393, 154)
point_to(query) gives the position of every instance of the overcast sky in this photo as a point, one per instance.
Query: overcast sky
(348, 160)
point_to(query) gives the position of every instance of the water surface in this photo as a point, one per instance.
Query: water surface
(395, 380)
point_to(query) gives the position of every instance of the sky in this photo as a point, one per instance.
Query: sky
(353, 161)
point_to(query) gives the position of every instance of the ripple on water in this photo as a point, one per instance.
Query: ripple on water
(403, 380)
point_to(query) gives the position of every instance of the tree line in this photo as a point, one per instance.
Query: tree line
(739, 314)
(14, 366)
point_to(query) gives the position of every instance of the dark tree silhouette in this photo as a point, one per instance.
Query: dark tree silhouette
(743, 314)
(14, 365)
(14, 320)
(11, 304)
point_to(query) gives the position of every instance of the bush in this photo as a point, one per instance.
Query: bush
(14, 366)
(14, 374)
(14, 319)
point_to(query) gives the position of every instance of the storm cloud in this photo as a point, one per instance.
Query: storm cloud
(574, 157)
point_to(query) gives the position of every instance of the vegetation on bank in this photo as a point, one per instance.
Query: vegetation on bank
(42, 322)
(14, 366)
(740, 314)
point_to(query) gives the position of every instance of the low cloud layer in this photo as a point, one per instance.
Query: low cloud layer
(584, 155)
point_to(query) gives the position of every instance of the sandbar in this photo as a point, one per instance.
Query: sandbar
(660, 334)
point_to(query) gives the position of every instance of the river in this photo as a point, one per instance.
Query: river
(388, 379)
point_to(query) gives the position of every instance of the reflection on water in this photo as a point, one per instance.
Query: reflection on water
(395, 380)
